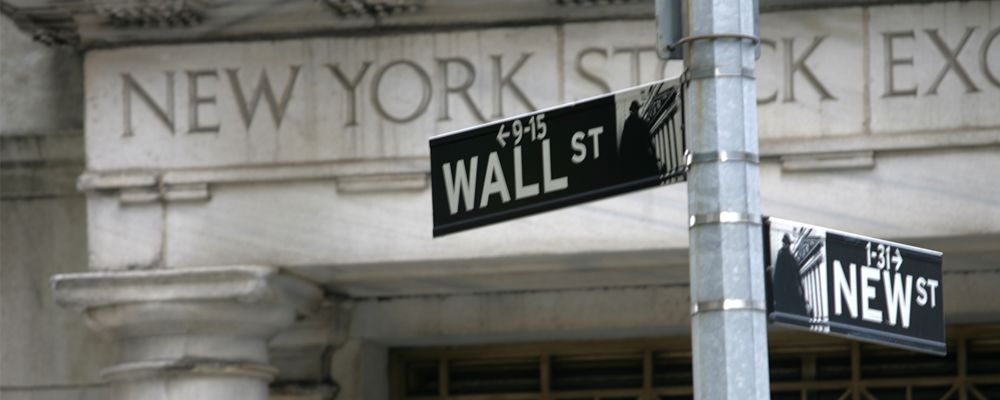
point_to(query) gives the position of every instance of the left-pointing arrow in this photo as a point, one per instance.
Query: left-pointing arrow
(501, 135)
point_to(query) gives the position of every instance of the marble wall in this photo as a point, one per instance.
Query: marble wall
(45, 350)
(823, 73)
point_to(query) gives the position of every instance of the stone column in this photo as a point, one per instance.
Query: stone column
(195, 333)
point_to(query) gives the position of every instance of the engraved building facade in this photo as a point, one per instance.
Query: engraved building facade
(225, 199)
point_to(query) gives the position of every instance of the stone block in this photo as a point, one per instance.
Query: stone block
(308, 99)
(124, 236)
(811, 75)
(822, 73)
(600, 57)
(596, 313)
(901, 197)
(935, 67)
(41, 344)
(311, 224)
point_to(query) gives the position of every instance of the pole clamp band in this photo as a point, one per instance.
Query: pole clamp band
(727, 305)
(724, 217)
(707, 72)
(688, 39)
(721, 156)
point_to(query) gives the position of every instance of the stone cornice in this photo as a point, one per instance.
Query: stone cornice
(408, 174)
(241, 284)
(98, 23)
(353, 176)
(49, 24)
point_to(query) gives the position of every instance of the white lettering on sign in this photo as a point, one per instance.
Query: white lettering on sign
(461, 177)
(844, 288)
(580, 149)
(461, 185)
(534, 125)
(495, 182)
(868, 275)
(522, 191)
(550, 184)
(898, 299)
(925, 287)
(896, 292)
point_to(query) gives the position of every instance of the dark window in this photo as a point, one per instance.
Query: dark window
(802, 367)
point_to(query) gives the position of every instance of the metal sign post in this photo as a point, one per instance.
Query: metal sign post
(728, 311)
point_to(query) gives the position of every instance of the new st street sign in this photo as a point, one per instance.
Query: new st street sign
(582, 151)
(845, 284)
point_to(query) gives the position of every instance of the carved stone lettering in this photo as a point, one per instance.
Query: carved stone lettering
(263, 89)
(891, 62)
(462, 89)
(165, 114)
(501, 81)
(588, 74)
(634, 53)
(984, 52)
(771, 98)
(455, 78)
(195, 100)
(793, 65)
(866, 70)
(351, 85)
(425, 93)
(951, 60)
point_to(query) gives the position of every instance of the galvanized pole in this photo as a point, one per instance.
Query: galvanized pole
(728, 321)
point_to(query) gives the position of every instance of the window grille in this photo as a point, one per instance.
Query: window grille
(802, 367)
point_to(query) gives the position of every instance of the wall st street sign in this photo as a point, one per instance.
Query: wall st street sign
(856, 286)
(565, 155)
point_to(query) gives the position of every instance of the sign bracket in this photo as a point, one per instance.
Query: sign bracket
(727, 305)
(722, 156)
(724, 217)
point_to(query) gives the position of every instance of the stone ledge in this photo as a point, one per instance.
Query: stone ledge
(353, 176)
(244, 284)
(408, 174)
(189, 366)
(879, 142)
(828, 161)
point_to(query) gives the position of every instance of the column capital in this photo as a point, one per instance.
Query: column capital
(198, 333)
